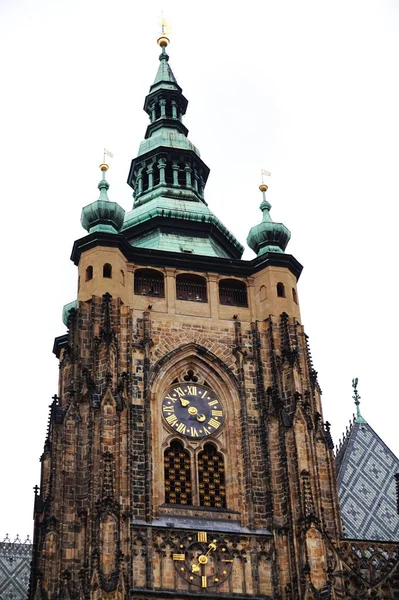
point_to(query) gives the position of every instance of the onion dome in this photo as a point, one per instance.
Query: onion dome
(268, 236)
(103, 215)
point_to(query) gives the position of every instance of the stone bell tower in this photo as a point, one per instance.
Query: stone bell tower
(186, 452)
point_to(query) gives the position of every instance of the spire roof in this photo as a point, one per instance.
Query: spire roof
(168, 178)
(102, 215)
(164, 78)
(268, 236)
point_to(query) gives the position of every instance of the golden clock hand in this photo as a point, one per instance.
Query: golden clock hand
(195, 568)
(201, 418)
(184, 402)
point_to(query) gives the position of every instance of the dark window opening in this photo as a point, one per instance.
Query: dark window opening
(211, 478)
(107, 271)
(169, 173)
(191, 287)
(182, 176)
(168, 110)
(294, 296)
(145, 180)
(148, 282)
(177, 470)
(157, 111)
(156, 175)
(280, 290)
(122, 277)
(89, 273)
(233, 292)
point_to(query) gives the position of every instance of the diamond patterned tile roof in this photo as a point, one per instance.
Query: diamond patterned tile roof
(15, 558)
(366, 470)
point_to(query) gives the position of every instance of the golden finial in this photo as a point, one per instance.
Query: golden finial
(104, 167)
(263, 187)
(163, 40)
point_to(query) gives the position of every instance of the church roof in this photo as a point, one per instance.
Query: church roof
(366, 470)
(15, 558)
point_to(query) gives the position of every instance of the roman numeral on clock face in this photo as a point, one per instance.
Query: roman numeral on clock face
(181, 428)
(214, 423)
(171, 419)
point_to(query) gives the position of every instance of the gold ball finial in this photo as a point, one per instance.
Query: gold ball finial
(163, 41)
(104, 167)
(263, 187)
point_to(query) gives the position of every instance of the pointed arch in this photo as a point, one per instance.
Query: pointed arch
(198, 355)
(188, 361)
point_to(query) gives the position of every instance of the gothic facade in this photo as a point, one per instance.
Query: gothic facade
(186, 452)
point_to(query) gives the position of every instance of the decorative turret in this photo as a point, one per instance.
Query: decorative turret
(102, 215)
(168, 179)
(268, 236)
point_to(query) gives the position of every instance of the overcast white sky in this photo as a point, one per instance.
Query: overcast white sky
(308, 90)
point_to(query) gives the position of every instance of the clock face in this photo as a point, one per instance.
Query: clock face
(203, 559)
(192, 410)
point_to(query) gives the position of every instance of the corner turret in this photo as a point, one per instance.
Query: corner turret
(102, 215)
(268, 236)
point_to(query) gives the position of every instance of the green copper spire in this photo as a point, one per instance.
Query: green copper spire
(267, 236)
(102, 215)
(356, 397)
(164, 77)
(168, 179)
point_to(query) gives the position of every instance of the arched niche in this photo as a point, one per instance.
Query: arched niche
(210, 371)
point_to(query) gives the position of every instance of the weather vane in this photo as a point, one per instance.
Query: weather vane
(263, 173)
(107, 153)
(166, 30)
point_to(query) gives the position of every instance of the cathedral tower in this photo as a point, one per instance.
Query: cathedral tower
(186, 452)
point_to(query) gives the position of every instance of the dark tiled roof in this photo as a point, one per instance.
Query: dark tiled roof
(15, 558)
(366, 485)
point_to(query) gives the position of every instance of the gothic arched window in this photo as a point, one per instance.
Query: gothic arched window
(294, 296)
(177, 469)
(212, 489)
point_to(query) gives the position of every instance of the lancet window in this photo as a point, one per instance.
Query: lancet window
(209, 474)
(177, 467)
(211, 477)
